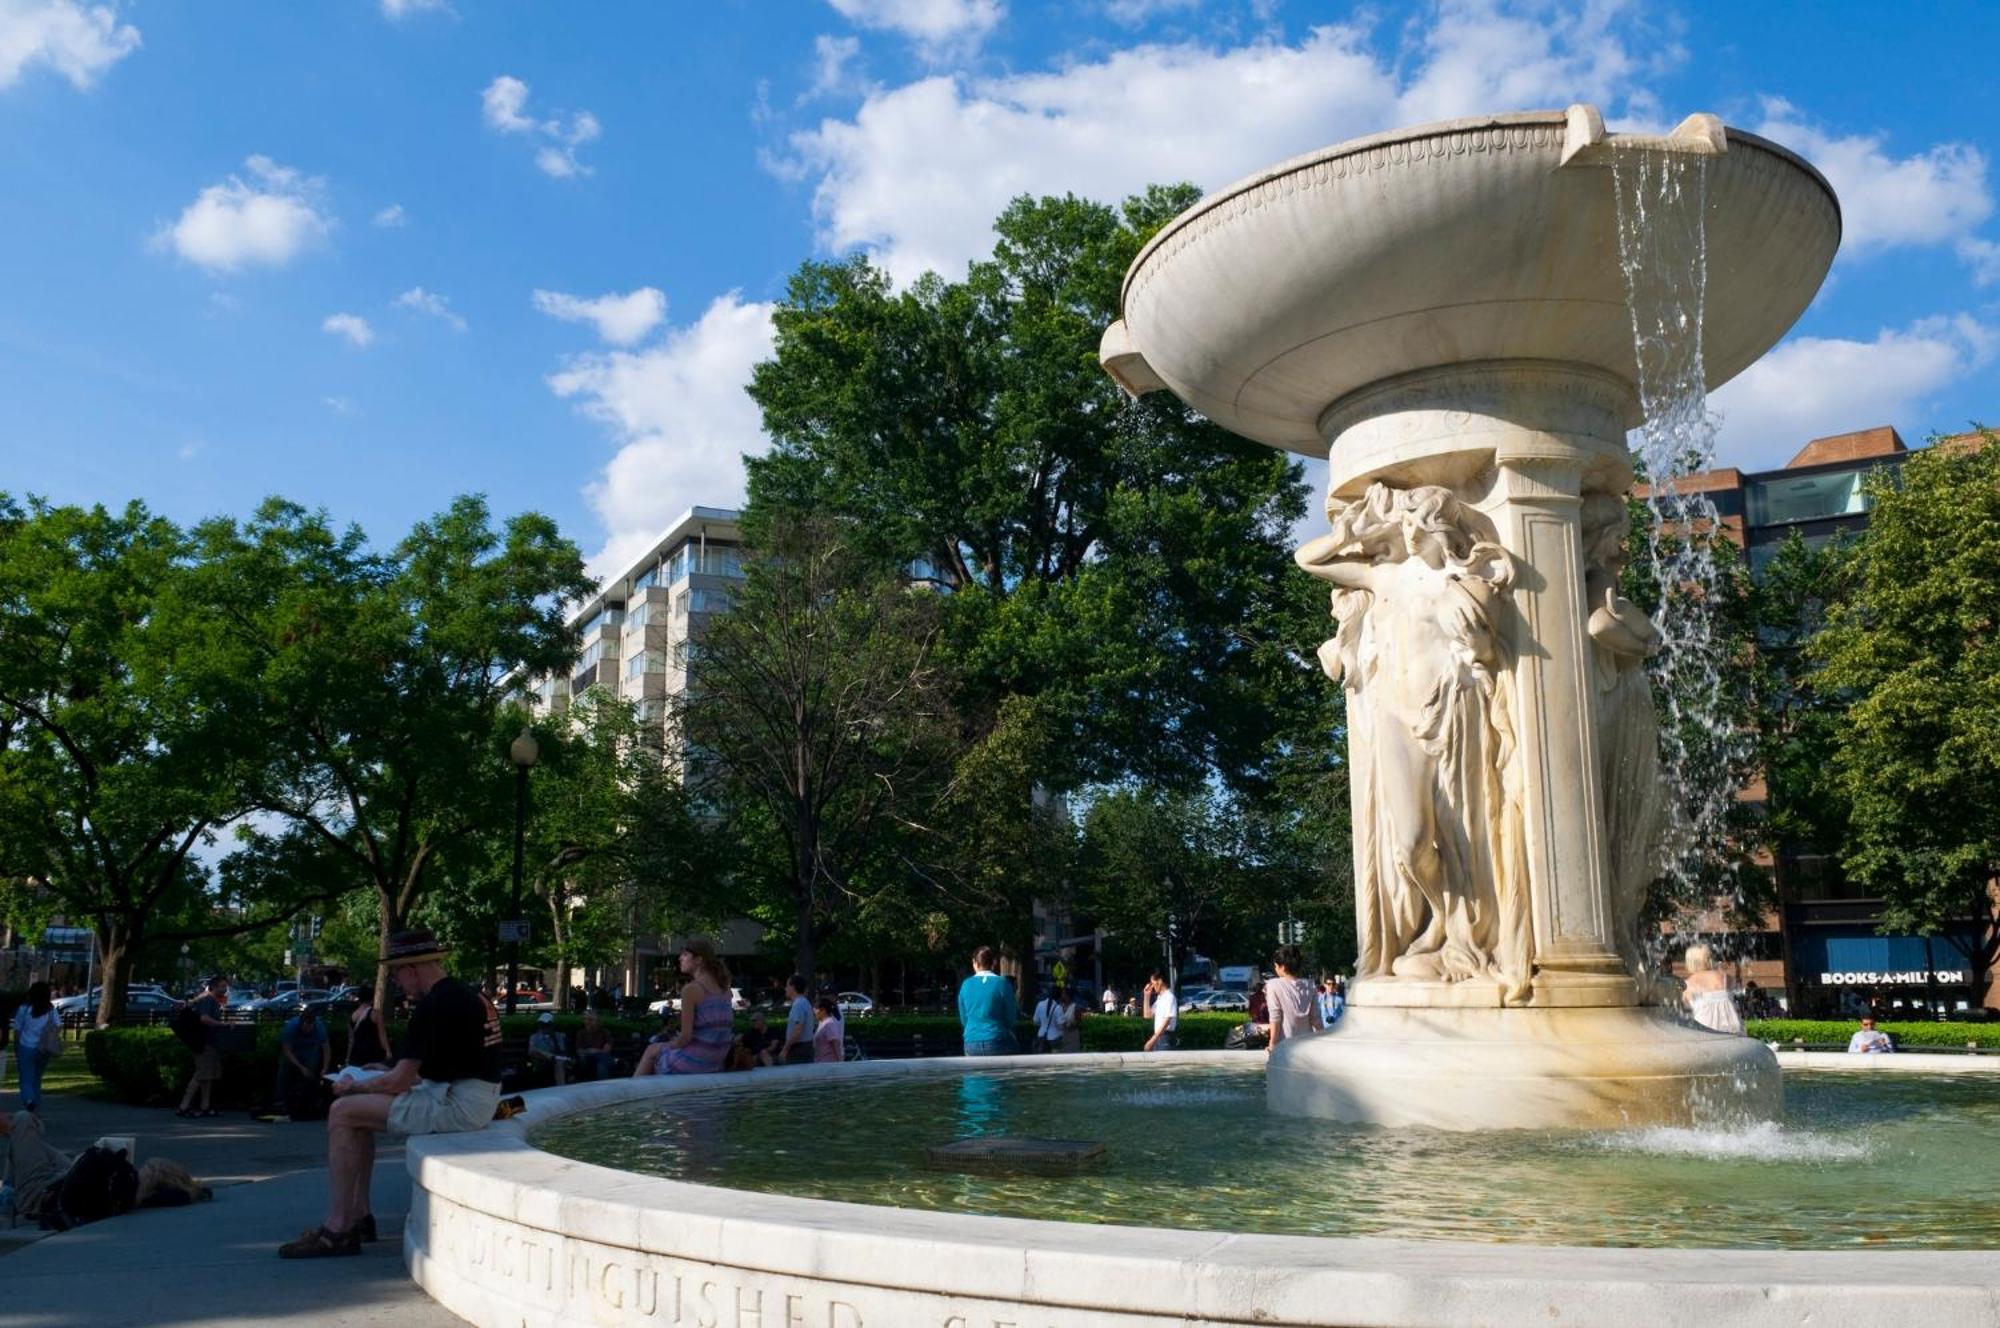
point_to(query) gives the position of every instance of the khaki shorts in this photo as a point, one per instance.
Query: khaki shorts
(207, 1065)
(437, 1107)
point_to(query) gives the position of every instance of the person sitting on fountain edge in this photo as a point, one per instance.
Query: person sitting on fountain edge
(447, 1080)
(1870, 1040)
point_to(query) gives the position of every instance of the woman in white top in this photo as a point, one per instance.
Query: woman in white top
(1707, 993)
(1293, 1004)
(37, 1039)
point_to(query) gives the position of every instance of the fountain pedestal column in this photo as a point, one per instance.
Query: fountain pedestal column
(1517, 443)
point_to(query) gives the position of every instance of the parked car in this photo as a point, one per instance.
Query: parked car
(286, 1004)
(89, 999)
(672, 1004)
(854, 1003)
(149, 1002)
(1221, 1000)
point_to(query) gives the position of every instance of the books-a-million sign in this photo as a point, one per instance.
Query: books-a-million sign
(1915, 977)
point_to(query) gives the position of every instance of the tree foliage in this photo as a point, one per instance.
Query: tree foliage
(1915, 653)
(1125, 563)
(816, 704)
(380, 679)
(118, 761)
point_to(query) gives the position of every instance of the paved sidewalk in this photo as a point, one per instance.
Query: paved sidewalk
(215, 1264)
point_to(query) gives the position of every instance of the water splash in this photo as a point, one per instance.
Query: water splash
(1705, 748)
(1766, 1141)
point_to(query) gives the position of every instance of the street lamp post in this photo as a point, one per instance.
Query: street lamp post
(524, 752)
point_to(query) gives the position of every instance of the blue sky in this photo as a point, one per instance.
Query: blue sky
(373, 253)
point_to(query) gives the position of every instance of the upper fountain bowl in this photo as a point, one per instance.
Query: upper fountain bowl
(1472, 240)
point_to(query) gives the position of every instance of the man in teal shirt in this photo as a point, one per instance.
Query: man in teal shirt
(987, 1008)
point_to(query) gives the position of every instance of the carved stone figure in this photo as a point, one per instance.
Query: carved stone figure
(1628, 731)
(1442, 889)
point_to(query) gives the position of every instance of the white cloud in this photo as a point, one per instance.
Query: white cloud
(833, 56)
(352, 326)
(340, 405)
(1134, 12)
(189, 450)
(1938, 196)
(504, 105)
(77, 41)
(1810, 387)
(391, 216)
(937, 26)
(429, 302)
(919, 172)
(266, 220)
(681, 419)
(620, 319)
(397, 10)
(1983, 257)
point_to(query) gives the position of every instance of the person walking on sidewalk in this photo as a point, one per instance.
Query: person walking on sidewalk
(207, 1061)
(1164, 1011)
(447, 1081)
(37, 1041)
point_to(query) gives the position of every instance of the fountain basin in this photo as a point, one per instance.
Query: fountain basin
(1484, 239)
(504, 1233)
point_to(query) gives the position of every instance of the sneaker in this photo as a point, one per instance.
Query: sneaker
(319, 1243)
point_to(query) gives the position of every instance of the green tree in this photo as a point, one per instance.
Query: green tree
(118, 761)
(381, 678)
(817, 704)
(1125, 563)
(1915, 654)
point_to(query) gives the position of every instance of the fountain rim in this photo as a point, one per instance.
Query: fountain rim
(1149, 1274)
(1414, 133)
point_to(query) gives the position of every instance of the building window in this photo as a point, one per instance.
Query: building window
(645, 579)
(641, 613)
(646, 661)
(677, 565)
(592, 653)
(1784, 499)
(710, 601)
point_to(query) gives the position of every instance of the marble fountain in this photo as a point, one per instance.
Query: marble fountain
(1504, 1129)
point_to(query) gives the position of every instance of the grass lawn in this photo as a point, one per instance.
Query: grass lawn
(67, 1073)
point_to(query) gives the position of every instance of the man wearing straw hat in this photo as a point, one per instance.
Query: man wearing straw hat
(447, 1080)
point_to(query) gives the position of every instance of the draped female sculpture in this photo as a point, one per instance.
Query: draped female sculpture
(1442, 892)
(1628, 730)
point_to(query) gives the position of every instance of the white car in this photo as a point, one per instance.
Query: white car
(671, 1004)
(854, 1003)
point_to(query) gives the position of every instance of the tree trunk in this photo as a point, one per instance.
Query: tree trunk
(389, 923)
(116, 948)
(802, 955)
(559, 988)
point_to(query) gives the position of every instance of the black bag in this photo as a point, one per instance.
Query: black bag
(187, 1026)
(308, 1100)
(101, 1183)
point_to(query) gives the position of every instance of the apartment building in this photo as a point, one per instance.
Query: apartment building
(639, 635)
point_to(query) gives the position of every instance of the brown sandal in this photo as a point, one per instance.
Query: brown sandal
(319, 1243)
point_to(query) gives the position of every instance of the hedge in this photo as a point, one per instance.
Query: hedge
(1907, 1035)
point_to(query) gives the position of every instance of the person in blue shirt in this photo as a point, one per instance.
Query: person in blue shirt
(987, 1008)
(1332, 1004)
(303, 1054)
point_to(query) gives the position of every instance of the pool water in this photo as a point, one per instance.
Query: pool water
(1859, 1161)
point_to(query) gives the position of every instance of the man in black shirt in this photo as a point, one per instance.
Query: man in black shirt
(447, 1079)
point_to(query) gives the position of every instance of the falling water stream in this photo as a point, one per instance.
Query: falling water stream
(1704, 750)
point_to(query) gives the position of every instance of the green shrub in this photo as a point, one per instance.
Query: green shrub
(1907, 1035)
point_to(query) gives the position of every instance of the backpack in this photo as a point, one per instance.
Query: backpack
(101, 1183)
(187, 1026)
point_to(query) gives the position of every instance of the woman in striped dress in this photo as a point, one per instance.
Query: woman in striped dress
(707, 1019)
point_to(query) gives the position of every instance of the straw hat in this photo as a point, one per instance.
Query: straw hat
(413, 947)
